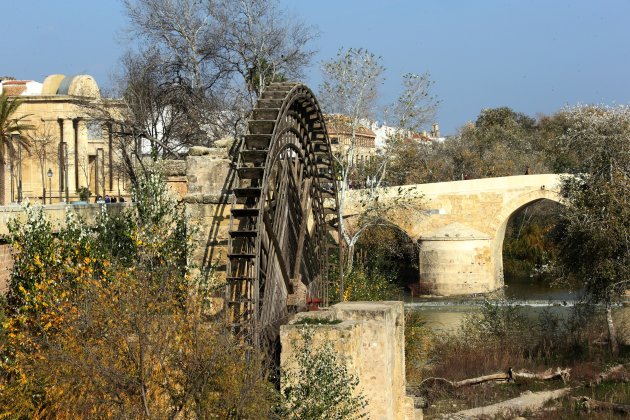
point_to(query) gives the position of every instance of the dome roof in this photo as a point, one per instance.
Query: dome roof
(77, 85)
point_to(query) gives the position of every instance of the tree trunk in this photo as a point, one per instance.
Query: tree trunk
(350, 260)
(510, 375)
(43, 185)
(612, 332)
(2, 181)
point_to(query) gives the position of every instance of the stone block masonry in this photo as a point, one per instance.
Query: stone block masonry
(209, 185)
(460, 226)
(370, 340)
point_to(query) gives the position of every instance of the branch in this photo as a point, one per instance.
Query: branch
(510, 375)
(589, 404)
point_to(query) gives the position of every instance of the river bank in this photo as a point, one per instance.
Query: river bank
(525, 329)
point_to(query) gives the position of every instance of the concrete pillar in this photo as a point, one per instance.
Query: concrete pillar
(457, 260)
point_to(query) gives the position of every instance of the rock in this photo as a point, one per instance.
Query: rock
(199, 151)
(175, 167)
(224, 142)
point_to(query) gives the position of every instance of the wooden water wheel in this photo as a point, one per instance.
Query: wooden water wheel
(284, 205)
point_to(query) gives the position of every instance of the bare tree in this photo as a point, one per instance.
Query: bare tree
(43, 148)
(351, 87)
(416, 105)
(86, 166)
(207, 61)
(183, 33)
(261, 43)
(407, 155)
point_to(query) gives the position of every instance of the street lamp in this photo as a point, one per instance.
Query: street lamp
(50, 174)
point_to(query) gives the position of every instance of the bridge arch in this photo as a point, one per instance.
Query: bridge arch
(500, 221)
(397, 249)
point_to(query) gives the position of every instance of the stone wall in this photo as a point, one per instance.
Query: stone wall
(209, 177)
(457, 260)
(6, 264)
(370, 340)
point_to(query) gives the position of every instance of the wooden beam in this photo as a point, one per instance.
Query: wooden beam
(276, 245)
(305, 207)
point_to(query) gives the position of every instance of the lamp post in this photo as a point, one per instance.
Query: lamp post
(50, 174)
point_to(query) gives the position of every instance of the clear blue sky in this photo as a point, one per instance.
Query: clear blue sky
(533, 56)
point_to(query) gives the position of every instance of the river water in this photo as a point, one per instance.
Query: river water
(532, 295)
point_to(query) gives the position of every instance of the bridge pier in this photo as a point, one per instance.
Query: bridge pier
(457, 260)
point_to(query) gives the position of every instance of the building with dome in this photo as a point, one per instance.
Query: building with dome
(68, 150)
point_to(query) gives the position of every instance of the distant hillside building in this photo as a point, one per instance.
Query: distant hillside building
(71, 149)
(340, 132)
(385, 132)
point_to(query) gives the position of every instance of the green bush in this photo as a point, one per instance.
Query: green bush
(361, 284)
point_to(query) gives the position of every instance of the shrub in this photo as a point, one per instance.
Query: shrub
(84, 193)
(359, 284)
(109, 322)
(418, 343)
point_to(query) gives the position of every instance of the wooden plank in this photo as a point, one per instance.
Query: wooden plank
(276, 244)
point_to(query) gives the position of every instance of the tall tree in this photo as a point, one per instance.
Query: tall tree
(211, 59)
(11, 138)
(595, 226)
(261, 42)
(499, 143)
(351, 85)
(350, 89)
(411, 159)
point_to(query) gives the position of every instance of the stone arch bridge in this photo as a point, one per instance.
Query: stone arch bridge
(460, 226)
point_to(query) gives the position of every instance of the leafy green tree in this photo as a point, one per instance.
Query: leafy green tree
(595, 225)
(416, 162)
(530, 244)
(363, 284)
(560, 154)
(499, 143)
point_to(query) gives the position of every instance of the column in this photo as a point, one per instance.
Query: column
(68, 136)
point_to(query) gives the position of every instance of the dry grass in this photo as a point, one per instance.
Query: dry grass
(471, 353)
